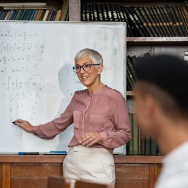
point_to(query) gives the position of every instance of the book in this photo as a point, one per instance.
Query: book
(104, 11)
(100, 15)
(170, 22)
(180, 20)
(153, 147)
(161, 9)
(185, 13)
(32, 15)
(147, 146)
(23, 14)
(143, 144)
(87, 12)
(176, 21)
(65, 8)
(135, 136)
(134, 22)
(156, 22)
(129, 29)
(52, 15)
(129, 64)
(7, 15)
(147, 21)
(118, 13)
(139, 142)
(91, 12)
(46, 15)
(49, 15)
(114, 13)
(131, 140)
(95, 12)
(42, 15)
(109, 12)
(186, 5)
(167, 33)
(121, 13)
(67, 16)
(15, 15)
(36, 12)
(11, 12)
(138, 22)
(153, 25)
(164, 33)
(58, 15)
(143, 22)
(181, 13)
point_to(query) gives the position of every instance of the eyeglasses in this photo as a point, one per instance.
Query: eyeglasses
(85, 67)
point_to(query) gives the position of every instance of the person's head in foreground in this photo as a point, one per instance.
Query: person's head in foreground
(161, 96)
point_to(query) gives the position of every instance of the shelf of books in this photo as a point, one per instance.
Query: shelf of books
(35, 11)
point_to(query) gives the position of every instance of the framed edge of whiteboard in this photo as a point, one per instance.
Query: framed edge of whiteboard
(121, 150)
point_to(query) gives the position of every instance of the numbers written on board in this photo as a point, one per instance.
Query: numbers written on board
(18, 35)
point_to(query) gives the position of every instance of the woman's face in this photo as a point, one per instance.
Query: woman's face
(87, 78)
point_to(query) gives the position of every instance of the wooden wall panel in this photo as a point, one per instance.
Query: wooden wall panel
(130, 183)
(1, 174)
(132, 171)
(32, 175)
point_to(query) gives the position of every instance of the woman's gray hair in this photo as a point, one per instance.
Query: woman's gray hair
(95, 56)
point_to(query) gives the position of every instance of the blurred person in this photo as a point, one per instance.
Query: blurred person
(161, 107)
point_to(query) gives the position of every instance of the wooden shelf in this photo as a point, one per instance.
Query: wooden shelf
(155, 41)
(60, 159)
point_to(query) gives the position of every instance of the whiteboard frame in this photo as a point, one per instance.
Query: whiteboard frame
(90, 23)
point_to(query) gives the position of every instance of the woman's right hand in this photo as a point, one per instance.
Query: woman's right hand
(26, 126)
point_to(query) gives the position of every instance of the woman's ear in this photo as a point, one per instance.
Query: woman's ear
(100, 68)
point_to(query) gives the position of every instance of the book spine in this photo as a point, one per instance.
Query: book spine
(100, 13)
(159, 21)
(139, 142)
(135, 136)
(148, 22)
(114, 13)
(127, 148)
(180, 20)
(138, 22)
(176, 21)
(121, 13)
(131, 140)
(130, 78)
(153, 147)
(147, 149)
(15, 15)
(129, 30)
(181, 13)
(118, 13)
(163, 22)
(43, 13)
(104, 11)
(186, 5)
(129, 64)
(10, 15)
(170, 21)
(156, 22)
(83, 17)
(109, 12)
(143, 145)
(95, 12)
(87, 13)
(134, 22)
(166, 21)
(143, 22)
(185, 13)
(24, 12)
(91, 12)
(153, 25)
(52, 15)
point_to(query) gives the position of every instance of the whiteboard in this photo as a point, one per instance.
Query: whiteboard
(36, 77)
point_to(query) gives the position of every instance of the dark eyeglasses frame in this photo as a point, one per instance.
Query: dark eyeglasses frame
(74, 68)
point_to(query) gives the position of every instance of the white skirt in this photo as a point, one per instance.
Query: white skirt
(89, 164)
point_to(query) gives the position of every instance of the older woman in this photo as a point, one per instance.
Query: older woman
(101, 123)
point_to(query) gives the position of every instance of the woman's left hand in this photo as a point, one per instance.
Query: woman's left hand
(90, 138)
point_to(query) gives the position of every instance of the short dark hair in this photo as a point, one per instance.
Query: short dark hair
(167, 103)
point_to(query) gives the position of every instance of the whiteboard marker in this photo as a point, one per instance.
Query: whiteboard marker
(16, 123)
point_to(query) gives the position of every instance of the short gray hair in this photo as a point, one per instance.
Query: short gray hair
(95, 56)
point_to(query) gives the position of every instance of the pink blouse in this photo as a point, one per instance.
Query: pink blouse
(104, 111)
